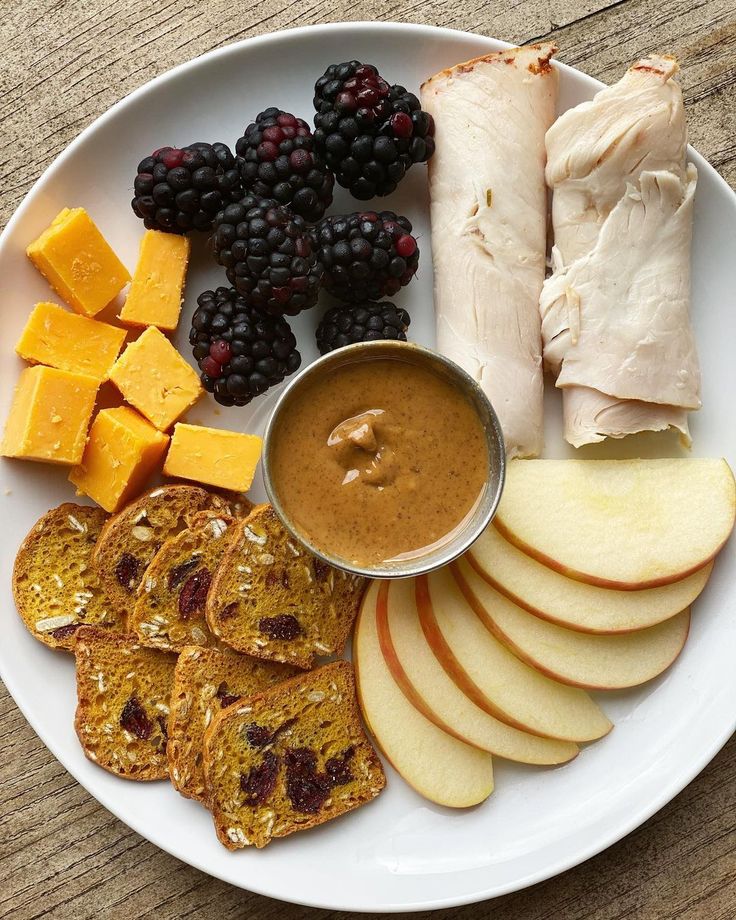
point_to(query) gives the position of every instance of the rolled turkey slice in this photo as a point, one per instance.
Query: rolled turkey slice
(615, 312)
(488, 213)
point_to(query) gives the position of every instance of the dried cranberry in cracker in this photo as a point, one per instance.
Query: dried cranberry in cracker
(126, 571)
(194, 592)
(285, 626)
(133, 719)
(260, 781)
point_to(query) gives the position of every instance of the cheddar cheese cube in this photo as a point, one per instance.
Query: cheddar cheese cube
(213, 456)
(156, 294)
(78, 263)
(123, 450)
(50, 415)
(71, 342)
(153, 377)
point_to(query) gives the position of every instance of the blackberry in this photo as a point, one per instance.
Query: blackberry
(366, 255)
(240, 350)
(277, 159)
(369, 133)
(268, 255)
(367, 321)
(181, 189)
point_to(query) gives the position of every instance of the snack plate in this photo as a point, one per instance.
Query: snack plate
(400, 853)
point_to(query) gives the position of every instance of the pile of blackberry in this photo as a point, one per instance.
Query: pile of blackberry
(241, 351)
(366, 321)
(366, 255)
(264, 208)
(268, 255)
(182, 189)
(277, 159)
(369, 133)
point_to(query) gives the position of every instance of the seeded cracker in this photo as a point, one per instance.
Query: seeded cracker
(205, 682)
(169, 609)
(272, 599)
(131, 538)
(123, 694)
(289, 758)
(55, 585)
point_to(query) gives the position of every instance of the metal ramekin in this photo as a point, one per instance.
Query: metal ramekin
(329, 365)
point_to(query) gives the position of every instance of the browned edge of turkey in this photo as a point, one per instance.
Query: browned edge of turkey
(541, 65)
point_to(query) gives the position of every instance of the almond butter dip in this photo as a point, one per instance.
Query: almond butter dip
(380, 461)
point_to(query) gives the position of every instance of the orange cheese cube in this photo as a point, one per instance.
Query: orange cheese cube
(122, 452)
(78, 263)
(153, 377)
(213, 456)
(50, 415)
(71, 342)
(156, 294)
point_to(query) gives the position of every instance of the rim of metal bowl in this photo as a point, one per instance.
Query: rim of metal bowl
(486, 508)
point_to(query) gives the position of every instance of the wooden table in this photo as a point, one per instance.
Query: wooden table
(64, 62)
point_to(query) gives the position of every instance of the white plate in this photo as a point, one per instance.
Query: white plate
(400, 853)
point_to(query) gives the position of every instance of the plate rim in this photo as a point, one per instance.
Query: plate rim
(668, 791)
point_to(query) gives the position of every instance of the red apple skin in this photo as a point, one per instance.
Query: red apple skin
(594, 579)
(449, 662)
(397, 671)
(492, 627)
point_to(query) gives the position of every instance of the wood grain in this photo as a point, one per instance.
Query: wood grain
(64, 62)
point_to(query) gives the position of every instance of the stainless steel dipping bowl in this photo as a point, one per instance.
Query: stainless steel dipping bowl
(329, 366)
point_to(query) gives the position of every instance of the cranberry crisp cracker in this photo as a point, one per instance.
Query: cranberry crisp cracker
(272, 599)
(289, 758)
(123, 694)
(55, 586)
(169, 610)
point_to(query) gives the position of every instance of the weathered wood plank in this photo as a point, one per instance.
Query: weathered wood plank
(66, 61)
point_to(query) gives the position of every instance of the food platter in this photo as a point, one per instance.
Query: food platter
(401, 853)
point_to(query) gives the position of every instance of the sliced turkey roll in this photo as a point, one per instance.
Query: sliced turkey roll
(615, 312)
(488, 212)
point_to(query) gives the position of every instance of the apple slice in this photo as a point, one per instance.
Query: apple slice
(441, 768)
(619, 523)
(580, 659)
(426, 685)
(575, 604)
(494, 678)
